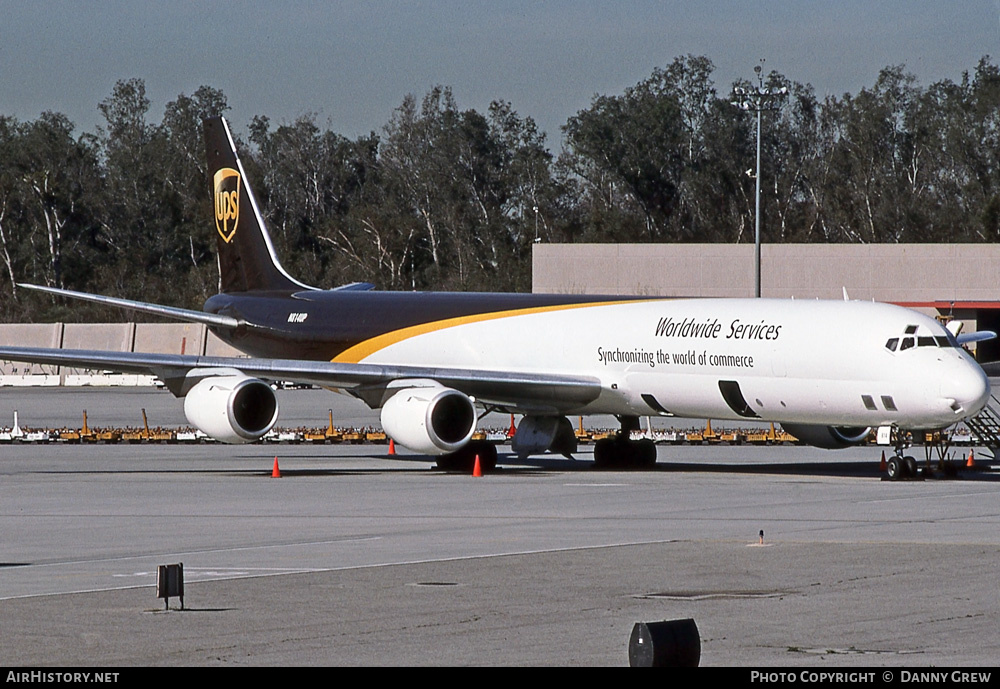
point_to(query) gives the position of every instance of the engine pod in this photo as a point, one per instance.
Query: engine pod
(827, 437)
(430, 420)
(232, 408)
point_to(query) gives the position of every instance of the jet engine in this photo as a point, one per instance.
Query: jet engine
(827, 437)
(232, 408)
(432, 420)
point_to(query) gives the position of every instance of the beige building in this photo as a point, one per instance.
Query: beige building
(956, 280)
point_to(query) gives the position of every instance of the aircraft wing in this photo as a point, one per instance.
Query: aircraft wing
(534, 392)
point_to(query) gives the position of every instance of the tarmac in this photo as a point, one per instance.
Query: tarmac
(356, 558)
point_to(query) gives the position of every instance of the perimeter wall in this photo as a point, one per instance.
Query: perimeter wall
(156, 338)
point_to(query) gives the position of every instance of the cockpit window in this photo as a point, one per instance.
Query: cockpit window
(944, 341)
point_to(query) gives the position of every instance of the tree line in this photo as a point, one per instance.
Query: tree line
(445, 198)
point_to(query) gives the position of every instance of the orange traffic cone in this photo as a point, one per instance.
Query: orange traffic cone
(275, 472)
(477, 470)
(881, 465)
(513, 429)
(392, 447)
(971, 464)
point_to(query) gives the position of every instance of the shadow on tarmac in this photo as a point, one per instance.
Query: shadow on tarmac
(511, 465)
(810, 468)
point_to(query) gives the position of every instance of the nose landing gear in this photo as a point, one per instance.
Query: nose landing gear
(901, 466)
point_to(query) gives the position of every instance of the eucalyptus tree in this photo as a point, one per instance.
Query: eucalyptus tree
(155, 225)
(465, 188)
(636, 154)
(311, 179)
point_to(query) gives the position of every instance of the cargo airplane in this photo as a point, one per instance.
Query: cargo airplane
(827, 371)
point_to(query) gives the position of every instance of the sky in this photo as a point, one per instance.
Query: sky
(351, 63)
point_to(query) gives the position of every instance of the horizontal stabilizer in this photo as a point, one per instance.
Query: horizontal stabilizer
(978, 336)
(175, 313)
(955, 328)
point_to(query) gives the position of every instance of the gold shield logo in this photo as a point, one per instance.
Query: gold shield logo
(227, 202)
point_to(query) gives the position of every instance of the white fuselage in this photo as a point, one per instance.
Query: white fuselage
(794, 361)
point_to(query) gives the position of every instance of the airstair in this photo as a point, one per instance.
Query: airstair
(985, 426)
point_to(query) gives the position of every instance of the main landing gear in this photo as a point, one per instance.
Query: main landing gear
(621, 452)
(464, 460)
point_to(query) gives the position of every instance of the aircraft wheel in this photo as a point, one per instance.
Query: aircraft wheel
(604, 453)
(619, 454)
(464, 460)
(450, 462)
(894, 468)
(487, 452)
(912, 469)
(645, 453)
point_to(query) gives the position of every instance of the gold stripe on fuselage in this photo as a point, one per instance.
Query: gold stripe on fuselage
(363, 350)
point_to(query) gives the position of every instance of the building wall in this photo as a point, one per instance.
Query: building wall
(171, 338)
(884, 272)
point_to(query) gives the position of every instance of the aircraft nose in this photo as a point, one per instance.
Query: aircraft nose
(968, 386)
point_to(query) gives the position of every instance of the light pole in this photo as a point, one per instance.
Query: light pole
(758, 100)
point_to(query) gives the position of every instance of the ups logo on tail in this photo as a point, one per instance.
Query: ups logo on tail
(227, 202)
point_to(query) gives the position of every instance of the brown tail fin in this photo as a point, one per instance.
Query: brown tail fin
(247, 261)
